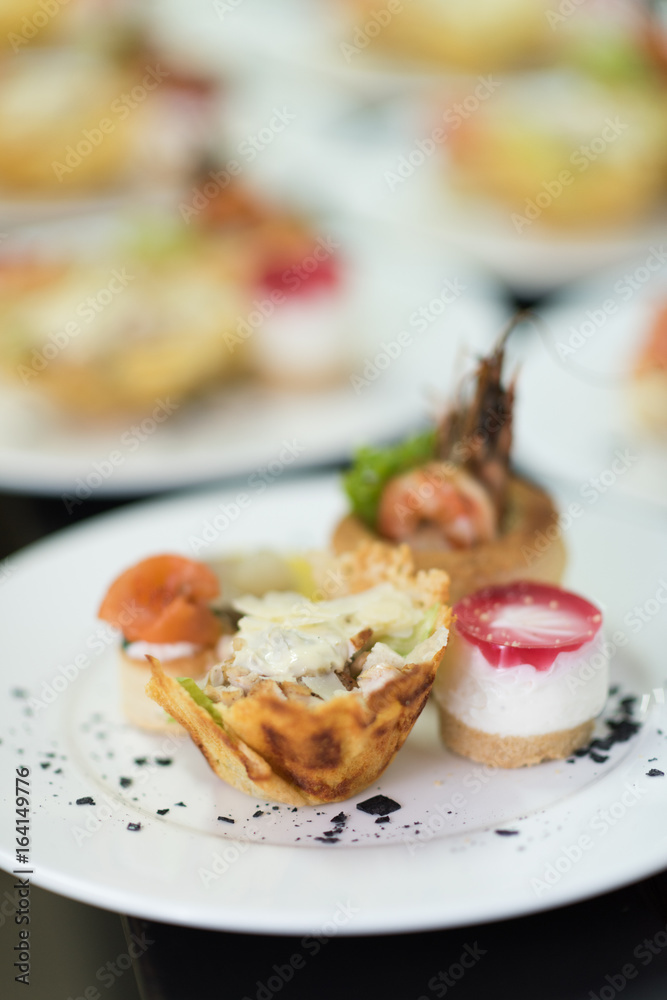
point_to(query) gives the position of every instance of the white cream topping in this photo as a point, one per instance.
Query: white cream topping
(161, 651)
(520, 700)
(285, 636)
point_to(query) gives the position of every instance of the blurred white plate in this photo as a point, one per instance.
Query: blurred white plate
(438, 862)
(241, 429)
(574, 413)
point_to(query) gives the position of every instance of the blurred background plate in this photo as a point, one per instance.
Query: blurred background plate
(241, 427)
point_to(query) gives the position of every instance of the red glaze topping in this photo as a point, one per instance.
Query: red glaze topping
(307, 276)
(526, 622)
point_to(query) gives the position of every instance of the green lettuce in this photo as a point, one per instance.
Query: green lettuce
(420, 632)
(202, 699)
(372, 468)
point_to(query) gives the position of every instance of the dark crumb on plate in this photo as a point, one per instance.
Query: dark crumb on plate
(58, 770)
(651, 759)
(164, 761)
(327, 840)
(258, 813)
(599, 758)
(226, 819)
(383, 819)
(341, 817)
(655, 773)
(134, 826)
(378, 805)
(87, 800)
(506, 833)
(294, 809)
(140, 761)
(180, 804)
(275, 808)
(45, 763)
(125, 782)
(162, 812)
(19, 693)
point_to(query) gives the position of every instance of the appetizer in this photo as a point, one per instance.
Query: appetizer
(143, 319)
(648, 381)
(162, 606)
(450, 495)
(525, 675)
(475, 37)
(316, 697)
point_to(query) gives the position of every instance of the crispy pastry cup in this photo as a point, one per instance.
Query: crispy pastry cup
(309, 751)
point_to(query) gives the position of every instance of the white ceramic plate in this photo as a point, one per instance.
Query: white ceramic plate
(240, 429)
(575, 414)
(439, 860)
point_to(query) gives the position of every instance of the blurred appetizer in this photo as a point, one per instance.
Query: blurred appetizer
(563, 149)
(144, 319)
(479, 36)
(297, 330)
(316, 697)
(450, 494)
(648, 380)
(163, 607)
(76, 122)
(525, 675)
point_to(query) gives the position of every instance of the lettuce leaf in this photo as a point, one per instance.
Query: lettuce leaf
(372, 468)
(420, 632)
(202, 699)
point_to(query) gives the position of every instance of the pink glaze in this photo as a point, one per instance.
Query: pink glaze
(526, 622)
(293, 281)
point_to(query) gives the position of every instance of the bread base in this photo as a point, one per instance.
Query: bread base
(137, 707)
(530, 546)
(510, 751)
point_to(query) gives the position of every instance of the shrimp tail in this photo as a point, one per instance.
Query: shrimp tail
(476, 434)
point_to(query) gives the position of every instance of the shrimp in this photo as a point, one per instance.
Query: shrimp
(437, 506)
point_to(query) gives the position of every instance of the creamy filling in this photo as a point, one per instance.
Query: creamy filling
(520, 700)
(287, 638)
(161, 651)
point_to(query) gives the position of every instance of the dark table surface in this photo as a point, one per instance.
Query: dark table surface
(593, 950)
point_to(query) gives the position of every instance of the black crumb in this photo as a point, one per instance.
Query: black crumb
(258, 813)
(45, 764)
(180, 804)
(87, 800)
(226, 819)
(19, 693)
(614, 690)
(125, 782)
(140, 761)
(383, 819)
(134, 826)
(164, 761)
(655, 773)
(294, 809)
(330, 833)
(162, 812)
(327, 840)
(50, 754)
(379, 805)
(506, 833)
(58, 770)
(340, 818)
(599, 758)
(570, 760)
(651, 759)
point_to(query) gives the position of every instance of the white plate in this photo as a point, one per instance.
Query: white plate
(189, 867)
(240, 429)
(574, 409)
